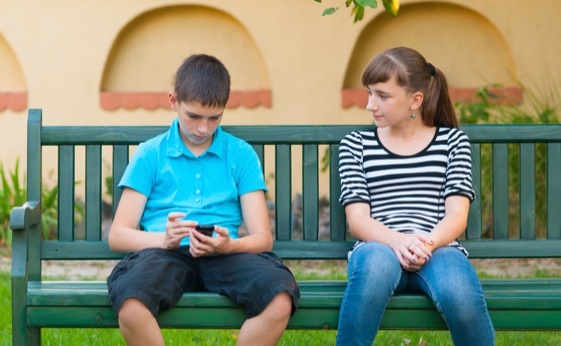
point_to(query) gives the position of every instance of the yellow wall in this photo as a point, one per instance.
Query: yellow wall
(63, 54)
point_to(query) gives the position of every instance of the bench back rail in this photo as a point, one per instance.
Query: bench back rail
(492, 152)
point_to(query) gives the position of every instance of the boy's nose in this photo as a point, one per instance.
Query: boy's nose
(203, 127)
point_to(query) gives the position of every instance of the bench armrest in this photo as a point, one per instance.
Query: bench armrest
(21, 218)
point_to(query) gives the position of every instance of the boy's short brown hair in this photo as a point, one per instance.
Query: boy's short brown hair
(202, 78)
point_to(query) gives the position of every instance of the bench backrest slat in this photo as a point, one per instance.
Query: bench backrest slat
(66, 186)
(554, 190)
(283, 191)
(260, 151)
(120, 162)
(93, 192)
(500, 191)
(310, 182)
(527, 168)
(337, 218)
(474, 229)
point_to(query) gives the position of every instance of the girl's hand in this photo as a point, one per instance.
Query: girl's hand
(413, 250)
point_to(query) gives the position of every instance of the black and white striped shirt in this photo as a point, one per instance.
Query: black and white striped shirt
(405, 193)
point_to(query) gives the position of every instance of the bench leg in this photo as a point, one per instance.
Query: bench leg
(21, 333)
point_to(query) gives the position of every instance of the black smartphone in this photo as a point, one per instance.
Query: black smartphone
(205, 229)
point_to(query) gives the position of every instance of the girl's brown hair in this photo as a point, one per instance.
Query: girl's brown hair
(412, 72)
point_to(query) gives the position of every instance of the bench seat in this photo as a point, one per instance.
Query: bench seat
(536, 302)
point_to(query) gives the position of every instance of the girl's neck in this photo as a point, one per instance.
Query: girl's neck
(408, 140)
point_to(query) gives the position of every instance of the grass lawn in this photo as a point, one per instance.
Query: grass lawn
(228, 337)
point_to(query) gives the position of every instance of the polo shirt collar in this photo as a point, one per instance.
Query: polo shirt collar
(176, 147)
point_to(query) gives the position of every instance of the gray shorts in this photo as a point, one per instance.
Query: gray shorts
(159, 277)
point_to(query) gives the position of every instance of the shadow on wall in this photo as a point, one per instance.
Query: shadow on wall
(203, 29)
(476, 53)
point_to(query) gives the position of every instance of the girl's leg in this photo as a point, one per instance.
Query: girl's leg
(374, 273)
(450, 280)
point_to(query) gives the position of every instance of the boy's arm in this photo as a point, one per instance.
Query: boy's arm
(125, 236)
(256, 218)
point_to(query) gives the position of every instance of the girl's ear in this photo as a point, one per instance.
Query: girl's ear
(172, 101)
(417, 100)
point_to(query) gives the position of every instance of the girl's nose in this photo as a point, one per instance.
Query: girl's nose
(371, 105)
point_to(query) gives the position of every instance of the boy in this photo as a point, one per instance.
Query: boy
(191, 175)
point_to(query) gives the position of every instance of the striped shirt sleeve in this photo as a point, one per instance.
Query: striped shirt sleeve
(354, 187)
(458, 173)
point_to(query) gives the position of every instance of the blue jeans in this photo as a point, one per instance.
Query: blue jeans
(448, 278)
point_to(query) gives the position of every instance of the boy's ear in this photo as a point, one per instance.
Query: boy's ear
(172, 101)
(417, 100)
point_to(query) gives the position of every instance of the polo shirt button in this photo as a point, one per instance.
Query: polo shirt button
(197, 200)
(198, 175)
(198, 192)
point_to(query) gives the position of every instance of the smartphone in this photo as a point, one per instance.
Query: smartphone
(205, 229)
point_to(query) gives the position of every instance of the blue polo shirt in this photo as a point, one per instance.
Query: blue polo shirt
(207, 188)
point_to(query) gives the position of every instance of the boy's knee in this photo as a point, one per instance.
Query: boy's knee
(130, 311)
(281, 305)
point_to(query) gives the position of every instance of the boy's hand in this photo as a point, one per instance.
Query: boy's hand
(177, 229)
(202, 245)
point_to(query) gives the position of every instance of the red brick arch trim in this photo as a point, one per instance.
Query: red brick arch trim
(16, 101)
(506, 95)
(154, 100)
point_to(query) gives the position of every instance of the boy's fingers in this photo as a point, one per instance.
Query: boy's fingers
(175, 215)
(221, 231)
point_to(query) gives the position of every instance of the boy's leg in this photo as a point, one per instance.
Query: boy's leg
(267, 327)
(142, 284)
(260, 282)
(138, 325)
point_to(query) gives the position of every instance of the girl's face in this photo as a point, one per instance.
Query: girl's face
(389, 103)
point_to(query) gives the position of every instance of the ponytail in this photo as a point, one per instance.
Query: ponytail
(437, 108)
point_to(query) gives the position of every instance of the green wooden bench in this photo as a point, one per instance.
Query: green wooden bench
(529, 304)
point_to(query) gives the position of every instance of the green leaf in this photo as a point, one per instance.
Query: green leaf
(49, 197)
(329, 11)
(359, 14)
(318, 1)
(392, 6)
(366, 3)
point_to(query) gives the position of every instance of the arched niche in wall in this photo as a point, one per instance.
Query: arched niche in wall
(144, 57)
(462, 43)
(13, 94)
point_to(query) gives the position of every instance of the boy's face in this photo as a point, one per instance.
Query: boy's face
(197, 123)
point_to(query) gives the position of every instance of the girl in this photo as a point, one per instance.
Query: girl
(406, 189)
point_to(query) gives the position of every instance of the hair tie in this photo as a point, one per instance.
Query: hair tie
(432, 69)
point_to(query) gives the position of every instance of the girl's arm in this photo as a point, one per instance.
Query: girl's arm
(453, 224)
(365, 228)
